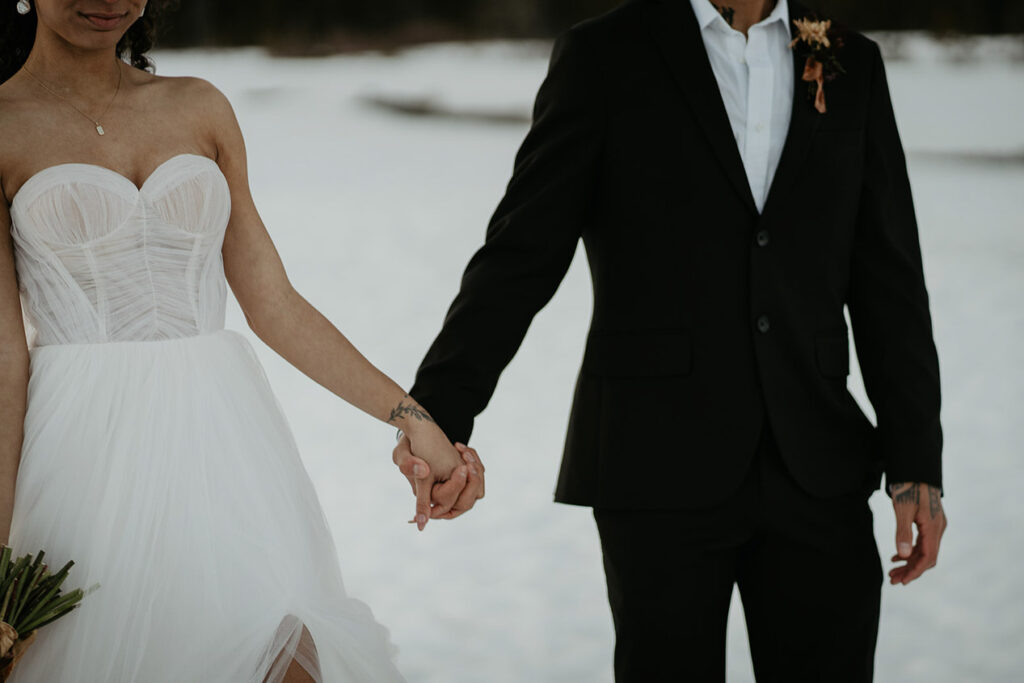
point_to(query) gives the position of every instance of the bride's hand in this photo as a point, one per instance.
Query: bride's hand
(428, 443)
(450, 478)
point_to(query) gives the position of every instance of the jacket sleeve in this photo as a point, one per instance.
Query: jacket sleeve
(530, 242)
(888, 303)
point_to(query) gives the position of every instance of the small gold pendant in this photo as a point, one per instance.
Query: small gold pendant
(99, 129)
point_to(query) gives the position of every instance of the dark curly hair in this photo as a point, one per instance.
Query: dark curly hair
(18, 33)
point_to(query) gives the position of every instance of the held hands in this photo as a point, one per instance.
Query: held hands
(452, 489)
(918, 504)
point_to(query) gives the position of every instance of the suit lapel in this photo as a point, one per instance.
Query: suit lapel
(803, 123)
(677, 35)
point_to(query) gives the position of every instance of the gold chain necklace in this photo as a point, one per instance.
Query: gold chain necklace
(99, 126)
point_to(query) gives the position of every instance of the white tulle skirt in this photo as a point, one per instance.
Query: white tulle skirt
(168, 473)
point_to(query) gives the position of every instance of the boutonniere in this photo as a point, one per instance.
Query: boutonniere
(819, 45)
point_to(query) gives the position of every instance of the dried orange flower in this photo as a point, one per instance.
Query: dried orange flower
(812, 32)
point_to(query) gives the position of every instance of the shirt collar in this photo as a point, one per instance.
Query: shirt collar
(707, 15)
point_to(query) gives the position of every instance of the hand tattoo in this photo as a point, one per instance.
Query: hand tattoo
(909, 493)
(727, 12)
(934, 502)
(404, 409)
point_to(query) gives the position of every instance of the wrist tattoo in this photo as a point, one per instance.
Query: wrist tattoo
(728, 13)
(410, 409)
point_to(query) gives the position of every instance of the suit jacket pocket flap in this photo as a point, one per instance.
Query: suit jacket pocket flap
(833, 352)
(638, 353)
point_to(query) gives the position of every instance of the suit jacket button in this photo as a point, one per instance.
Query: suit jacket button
(762, 238)
(763, 324)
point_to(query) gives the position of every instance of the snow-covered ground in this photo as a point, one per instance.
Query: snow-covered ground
(375, 215)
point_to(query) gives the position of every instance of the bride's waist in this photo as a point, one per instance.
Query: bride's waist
(218, 361)
(145, 344)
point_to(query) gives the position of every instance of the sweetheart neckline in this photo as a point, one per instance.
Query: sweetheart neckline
(139, 189)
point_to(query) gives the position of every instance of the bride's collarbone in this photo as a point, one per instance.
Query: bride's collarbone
(156, 119)
(134, 150)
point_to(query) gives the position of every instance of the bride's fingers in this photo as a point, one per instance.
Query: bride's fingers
(445, 494)
(408, 464)
(479, 464)
(473, 456)
(469, 495)
(469, 454)
(414, 468)
(422, 503)
(473, 459)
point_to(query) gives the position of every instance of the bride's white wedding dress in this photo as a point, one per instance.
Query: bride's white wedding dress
(156, 456)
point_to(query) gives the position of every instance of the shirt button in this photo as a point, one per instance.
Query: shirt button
(763, 324)
(762, 238)
(759, 127)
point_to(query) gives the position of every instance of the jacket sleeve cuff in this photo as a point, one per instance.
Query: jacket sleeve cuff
(455, 422)
(921, 471)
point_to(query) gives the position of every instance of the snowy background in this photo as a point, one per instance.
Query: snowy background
(375, 215)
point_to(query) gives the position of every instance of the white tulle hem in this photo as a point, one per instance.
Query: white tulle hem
(167, 472)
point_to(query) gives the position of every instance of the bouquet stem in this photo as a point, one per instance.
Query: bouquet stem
(30, 598)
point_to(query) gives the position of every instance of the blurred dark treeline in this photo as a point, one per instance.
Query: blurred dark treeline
(330, 25)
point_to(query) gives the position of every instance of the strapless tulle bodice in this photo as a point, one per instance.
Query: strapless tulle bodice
(99, 259)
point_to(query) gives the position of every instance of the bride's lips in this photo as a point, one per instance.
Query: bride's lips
(104, 21)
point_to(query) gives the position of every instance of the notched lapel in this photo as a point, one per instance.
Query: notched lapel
(677, 35)
(803, 123)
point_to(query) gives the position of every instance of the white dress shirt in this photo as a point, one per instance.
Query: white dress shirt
(756, 79)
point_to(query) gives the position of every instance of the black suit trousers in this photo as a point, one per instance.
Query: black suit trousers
(808, 571)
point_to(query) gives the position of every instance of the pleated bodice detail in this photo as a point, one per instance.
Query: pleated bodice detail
(100, 259)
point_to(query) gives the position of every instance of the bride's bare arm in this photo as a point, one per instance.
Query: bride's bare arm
(13, 374)
(296, 330)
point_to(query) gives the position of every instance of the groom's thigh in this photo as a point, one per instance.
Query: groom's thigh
(670, 578)
(810, 583)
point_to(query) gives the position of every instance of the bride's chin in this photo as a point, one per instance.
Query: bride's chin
(94, 41)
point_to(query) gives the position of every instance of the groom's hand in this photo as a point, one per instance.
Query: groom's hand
(918, 504)
(441, 499)
(474, 488)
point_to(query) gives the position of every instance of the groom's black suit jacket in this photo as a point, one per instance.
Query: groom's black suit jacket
(707, 316)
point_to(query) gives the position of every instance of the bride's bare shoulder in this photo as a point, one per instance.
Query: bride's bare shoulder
(192, 97)
(19, 112)
(15, 100)
(194, 100)
(187, 92)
